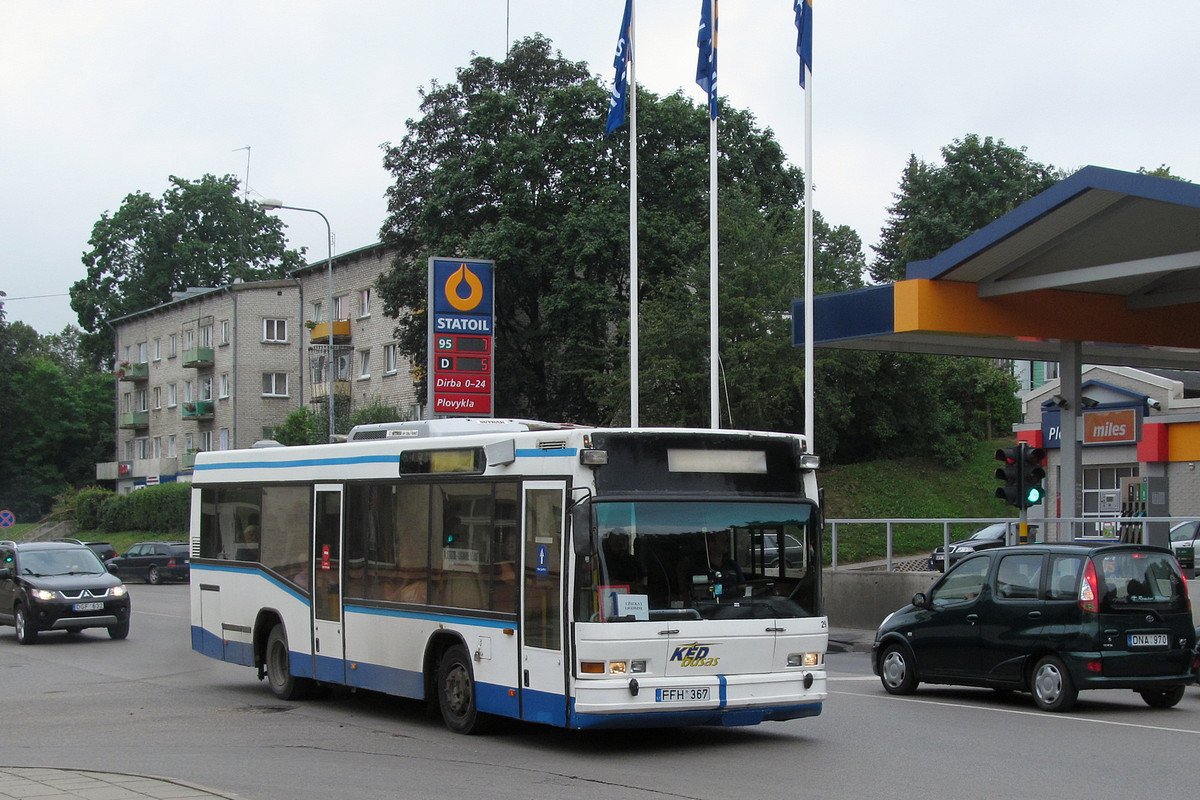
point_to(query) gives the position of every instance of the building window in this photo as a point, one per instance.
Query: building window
(157, 398)
(206, 388)
(341, 307)
(127, 450)
(189, 339)
(224, 331)
(126, 402)
(389, 359)
(141, 353)
(171, 451)
(206, 339)
(316, 311)
(223, 387)
(275, 384)
(1051, 370)
(206, 440)
(172, 395)
(172, 345)
(158, 447)
(364, 363)
(275, 330)
(223, 441)
(158, 349)
(141, 400)
(364, 302)
(189, 394)
(187, 443)
(128, 351)
(143, 449)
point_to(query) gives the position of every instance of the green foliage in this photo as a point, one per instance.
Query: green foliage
(937, 206)
(197, 234)
(86, 507)
(909, 488)
(161, 509)
(302, 426)
(375, 412)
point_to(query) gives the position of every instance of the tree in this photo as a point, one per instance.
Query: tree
(197, 234)
(937, 206)
(509, 163)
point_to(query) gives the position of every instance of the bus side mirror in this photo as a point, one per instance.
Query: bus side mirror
(583, 531)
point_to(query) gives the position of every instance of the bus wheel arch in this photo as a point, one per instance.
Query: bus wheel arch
(450, 679)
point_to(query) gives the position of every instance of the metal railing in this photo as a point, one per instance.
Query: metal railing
(1047, 529)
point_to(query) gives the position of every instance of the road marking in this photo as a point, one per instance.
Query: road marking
(1045, 715)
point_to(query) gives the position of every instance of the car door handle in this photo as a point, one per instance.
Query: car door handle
(972, 618)
(670, 632)
(1035, 615)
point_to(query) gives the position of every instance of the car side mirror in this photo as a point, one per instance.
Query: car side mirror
(111, 567)
(583, 528)
(920, 600)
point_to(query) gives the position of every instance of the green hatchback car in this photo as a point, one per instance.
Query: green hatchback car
(1050, 619)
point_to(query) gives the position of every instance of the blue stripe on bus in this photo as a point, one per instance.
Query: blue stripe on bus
(562, 452)
(430, 616)
(302, 462)
(254, 571)
(725, 717)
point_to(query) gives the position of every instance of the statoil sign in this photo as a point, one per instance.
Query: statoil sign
(460, 337)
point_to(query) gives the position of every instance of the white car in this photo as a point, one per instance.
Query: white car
(1184, 543)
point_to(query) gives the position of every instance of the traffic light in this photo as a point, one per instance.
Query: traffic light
(1010, 473)
(1032, 475)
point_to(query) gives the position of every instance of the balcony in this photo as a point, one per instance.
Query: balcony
(341, 332)
(135, 420)
(141, 468)
(320, 391)
(133, 372)
(198, 357)
(201, 409)
(187, 461)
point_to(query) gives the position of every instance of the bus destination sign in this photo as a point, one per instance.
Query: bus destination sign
(460, 337)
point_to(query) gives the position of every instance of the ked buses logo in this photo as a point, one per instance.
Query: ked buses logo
(694, 655)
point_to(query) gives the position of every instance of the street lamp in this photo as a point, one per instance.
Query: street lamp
(276, 204)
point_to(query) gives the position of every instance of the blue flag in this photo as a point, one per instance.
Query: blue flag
(804, 36)
(706, 66)
(616, 103)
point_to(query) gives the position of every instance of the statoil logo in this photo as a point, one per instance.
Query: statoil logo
(463, 289)
(695, 655)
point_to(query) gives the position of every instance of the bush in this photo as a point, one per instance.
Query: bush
(87, 504)
(160, 509)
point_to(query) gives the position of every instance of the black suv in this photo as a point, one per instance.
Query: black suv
(59, 586)
(1049, 619)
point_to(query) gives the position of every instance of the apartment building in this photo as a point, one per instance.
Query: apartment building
(219, 368)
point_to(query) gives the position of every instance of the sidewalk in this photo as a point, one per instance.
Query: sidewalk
(45, 783)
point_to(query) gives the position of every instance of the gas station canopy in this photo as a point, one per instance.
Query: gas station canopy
(1106, 259)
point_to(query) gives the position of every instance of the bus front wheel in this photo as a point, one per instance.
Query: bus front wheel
(456, 692)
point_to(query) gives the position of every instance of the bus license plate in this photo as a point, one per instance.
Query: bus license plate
(88, 606)
(681, 694)
(1147, 640)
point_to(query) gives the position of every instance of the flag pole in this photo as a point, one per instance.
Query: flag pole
(809, 391)
(713, 322)
(634, 293)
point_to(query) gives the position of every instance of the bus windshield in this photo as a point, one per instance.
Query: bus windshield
(702, 560)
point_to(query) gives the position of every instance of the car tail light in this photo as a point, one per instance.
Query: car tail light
(1088, 590)
(171, 563)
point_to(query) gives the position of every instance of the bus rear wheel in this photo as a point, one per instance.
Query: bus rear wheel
(283, 683)
(456, 692)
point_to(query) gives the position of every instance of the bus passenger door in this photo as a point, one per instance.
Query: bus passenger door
(328, 644)
(543, 679)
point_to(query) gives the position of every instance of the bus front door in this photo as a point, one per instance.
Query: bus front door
(328, 644)
(543, 680)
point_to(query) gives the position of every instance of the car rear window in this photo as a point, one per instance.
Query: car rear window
(1135, 581)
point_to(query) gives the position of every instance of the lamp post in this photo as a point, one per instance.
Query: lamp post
(276, 204)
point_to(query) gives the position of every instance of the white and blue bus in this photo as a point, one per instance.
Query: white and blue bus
(572, 576)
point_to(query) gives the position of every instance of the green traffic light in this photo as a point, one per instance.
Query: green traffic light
(1034, 495)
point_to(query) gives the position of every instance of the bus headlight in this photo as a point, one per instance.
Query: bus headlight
(617, 668)
(805, 659)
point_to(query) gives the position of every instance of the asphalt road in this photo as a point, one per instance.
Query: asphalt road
(149, 705)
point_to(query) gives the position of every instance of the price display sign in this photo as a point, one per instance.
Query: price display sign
(460, 337)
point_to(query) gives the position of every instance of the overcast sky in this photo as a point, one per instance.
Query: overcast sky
(101, 99)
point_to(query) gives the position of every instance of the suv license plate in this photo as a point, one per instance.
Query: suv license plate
(88, 607)
(1147, 640)
(682, 694)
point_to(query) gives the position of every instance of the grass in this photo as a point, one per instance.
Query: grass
(908, 488)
